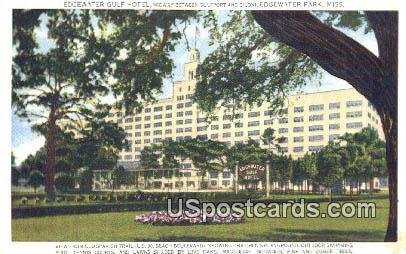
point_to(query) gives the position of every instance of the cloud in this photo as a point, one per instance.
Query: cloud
(30, 147)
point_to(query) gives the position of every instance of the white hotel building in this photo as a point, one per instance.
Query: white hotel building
(309, 121)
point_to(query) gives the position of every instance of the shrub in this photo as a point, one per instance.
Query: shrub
(35, 179)
(86, 181)
(64, 182)
(24, 200)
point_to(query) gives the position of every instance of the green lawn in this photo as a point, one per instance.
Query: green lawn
(121, 227)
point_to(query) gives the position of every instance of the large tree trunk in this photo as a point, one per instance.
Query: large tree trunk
(51, 153)
(372, 76)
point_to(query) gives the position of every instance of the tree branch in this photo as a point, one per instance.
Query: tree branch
(334, 51)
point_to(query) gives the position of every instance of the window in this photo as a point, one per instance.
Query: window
(334, 105)
(283, 130)
(137, 119)
(188, 129)
(283, 120)
(226, 135)
(227, 117)
(283, 149)
(354, 114)
(283, 140)
(128, 157)
(283, 111)
(238, 125)
(239, 116)
(157, 132)
(227, 126)
(213, 182)
(214, 136)
(147, 141)
(226, 174)
(298, 129)
(168, 115)
(298, 139)
(137, 127)
(253, 114)
(298, 109)
(157, 140)
(188, 121)
(128, 127)
(334, 116)
(179, 122)
(313, 118)
(188, 113)
(239, 134)
(119, 121)
(147, 125)
(298, 119)
(179, 105)
(253, 133)
(316, 128)
(179, 114)
(268, 122)
(214, 174)
(267, 113)
(352, 104)
(298, 149)
(188, 104)
(137, 134)
(147, 110)
(137, 142)
(204, 136)
(147, 118)
(157, 117)
(334, 126)
(202, 128)
(128, 134)
(253, 123)
(201, 120)
(159, 124)
(168, 131)
(333, 137)
(214, 127)
(168, 107)
(316, 138)
(179, 130)
(157, 109)
(168, 123)
(129, 120)
(316, 107)
(354, 125)
(315, 148)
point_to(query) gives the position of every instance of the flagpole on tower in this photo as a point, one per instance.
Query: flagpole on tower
(197, 33)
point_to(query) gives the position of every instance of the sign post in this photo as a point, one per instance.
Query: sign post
(267, 180)
(236, 178)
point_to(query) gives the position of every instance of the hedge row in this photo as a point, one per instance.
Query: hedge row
(22, 199)
(51, 210)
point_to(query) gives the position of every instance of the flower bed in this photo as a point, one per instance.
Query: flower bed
(162, 218)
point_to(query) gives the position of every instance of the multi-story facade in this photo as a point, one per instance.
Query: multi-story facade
(308, 122)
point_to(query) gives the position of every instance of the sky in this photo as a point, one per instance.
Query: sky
(25, 142)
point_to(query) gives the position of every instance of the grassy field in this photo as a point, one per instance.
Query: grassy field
(121, 227)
